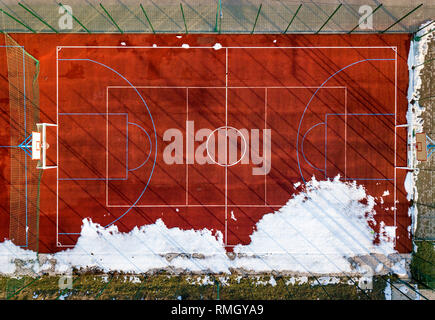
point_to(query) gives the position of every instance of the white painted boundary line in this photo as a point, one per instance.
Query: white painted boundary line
(187, 147)
(58, 48)
(265, 145)
(345, 134)
(395, 143)
(183, 205)
(58, 244)
(226, 147)
(230, 47)
(107, 147)
(229, 87)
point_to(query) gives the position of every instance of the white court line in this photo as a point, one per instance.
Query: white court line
(183, 205)
(395, 143)
(57, 148)
(230, 47)
(345, 134)
(265, 145)
(229, 87)
(107, 147)
(199, 47)
(226, 147)
(226, 205)
(187, 147)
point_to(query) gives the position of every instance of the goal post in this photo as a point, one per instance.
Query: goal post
(40, 147)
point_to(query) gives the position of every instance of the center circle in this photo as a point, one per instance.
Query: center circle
(226, 128)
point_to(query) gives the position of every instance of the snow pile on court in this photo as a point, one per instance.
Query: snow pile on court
(9, 253)
(317, 231)
(417, 54)
(146, 248)
(217, 46)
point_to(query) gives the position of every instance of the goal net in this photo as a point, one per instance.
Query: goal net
(23, 71)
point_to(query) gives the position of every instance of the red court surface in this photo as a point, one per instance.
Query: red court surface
(322, 105)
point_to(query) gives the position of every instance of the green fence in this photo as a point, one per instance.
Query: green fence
(214, 16)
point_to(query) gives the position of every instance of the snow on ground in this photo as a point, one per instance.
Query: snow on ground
(132, 279)
(143, 248)
(409, 186)
(299, 280)
(9, 252)
(399, 268)
(271, 282)
(217, 46)
(316, 231)
(416, 58)
(206, 280)
(325, 281)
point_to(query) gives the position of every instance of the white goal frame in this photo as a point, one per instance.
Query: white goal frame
(42, 128)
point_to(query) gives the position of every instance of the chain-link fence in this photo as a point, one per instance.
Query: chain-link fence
(23, 71)
(211, 16)
(214, 16)
(426, 194)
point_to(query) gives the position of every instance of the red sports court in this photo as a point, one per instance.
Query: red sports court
(137, 129)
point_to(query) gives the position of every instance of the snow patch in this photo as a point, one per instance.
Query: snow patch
(204, 281)
(217, 46)
(223, 281)
(387, 233)
(9, 252)
(327, 218)
(399, 268)
(271, 282)
(325, 281)
(379, 268)
(134, 279)
(387, 291)
(232, 216)
(409, 185)
(316, 231)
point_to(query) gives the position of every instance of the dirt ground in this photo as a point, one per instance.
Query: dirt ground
(426, 176)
